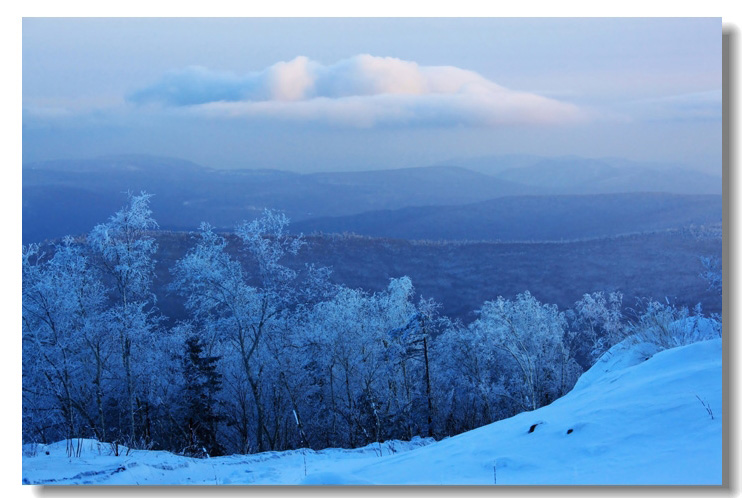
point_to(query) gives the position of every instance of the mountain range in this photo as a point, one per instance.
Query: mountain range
(71, 196)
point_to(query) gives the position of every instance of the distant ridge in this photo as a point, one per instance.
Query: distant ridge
(525, 218)
(185, 194)
(579, 175)
(69, 196)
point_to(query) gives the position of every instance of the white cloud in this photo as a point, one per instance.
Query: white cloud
(361, 91)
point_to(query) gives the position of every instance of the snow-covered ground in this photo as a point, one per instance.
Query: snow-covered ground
(636, 417)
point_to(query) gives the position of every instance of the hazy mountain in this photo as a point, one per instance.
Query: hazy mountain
(493, 165)
(186, 194)
(578, 175)
(531, 218)
(583, 176)
(563, 174)
(69, 197)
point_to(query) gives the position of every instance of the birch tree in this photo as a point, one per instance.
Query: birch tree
(239, 309)
(125, 251)
(62, 331)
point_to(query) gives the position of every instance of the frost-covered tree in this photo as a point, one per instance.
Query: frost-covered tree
(222, 305)
(125, 252)
(237, 310)
(288, 375)
(341, 341)
(470, 380)
(596, 323)
(65, 351)
(712, 273)
(410, 364)
(529, 335)
(266, 240)
(368, 361)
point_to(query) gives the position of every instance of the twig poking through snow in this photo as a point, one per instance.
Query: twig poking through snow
(706, 406)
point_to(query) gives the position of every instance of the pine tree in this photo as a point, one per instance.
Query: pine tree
(202, 383)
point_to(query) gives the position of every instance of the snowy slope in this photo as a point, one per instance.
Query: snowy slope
(635, 418)
(638, 424)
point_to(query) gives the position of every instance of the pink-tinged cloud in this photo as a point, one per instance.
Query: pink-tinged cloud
(362, 91)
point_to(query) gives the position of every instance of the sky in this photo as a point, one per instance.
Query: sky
(339, 94)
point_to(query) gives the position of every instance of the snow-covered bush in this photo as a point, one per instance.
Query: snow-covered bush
(668, 326)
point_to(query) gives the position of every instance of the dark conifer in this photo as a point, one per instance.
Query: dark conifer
(202, 383)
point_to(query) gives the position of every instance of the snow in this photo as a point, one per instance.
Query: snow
(636, 417)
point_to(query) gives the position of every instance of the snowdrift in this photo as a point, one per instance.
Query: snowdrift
(637, 417)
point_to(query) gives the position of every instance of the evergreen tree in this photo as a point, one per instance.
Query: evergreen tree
(202, 383)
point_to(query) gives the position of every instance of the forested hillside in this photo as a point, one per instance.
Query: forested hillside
(462, 275)
(531, 218)
(270, 353)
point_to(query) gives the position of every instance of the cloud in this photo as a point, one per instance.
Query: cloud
(361, 91)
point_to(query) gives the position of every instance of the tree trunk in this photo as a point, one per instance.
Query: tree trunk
(259, 408)
(99, 393)
(427, 387)
(129, 385)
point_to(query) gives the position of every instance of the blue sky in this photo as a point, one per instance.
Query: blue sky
(348, 94)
